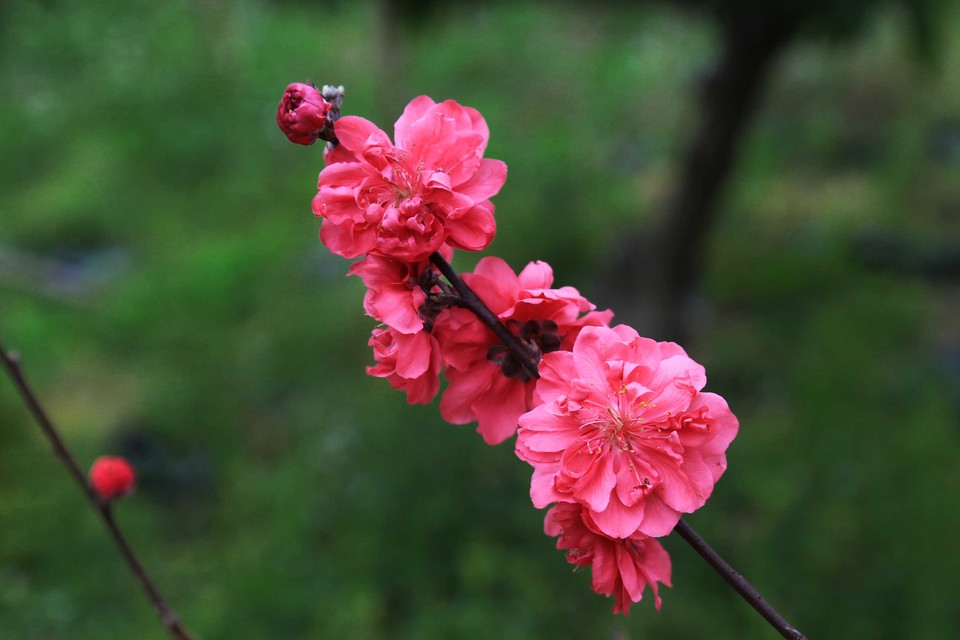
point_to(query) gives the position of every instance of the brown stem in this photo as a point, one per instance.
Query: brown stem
(737, 581)
(684, 530)
(470, 300)
(167, 615)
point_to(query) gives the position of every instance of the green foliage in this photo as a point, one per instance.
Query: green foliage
(185, 314)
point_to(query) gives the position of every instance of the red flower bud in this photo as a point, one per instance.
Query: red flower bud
(112, 477)
(302, 113)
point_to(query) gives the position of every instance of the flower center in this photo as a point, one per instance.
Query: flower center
(405, 183)
(618, 429)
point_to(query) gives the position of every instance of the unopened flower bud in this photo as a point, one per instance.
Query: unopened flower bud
(302, 113)
(112, 477)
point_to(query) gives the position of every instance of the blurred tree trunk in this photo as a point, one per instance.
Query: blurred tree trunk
(662, 275)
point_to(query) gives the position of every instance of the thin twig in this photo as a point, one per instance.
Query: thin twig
(167, 615)
(738, 582)
(472, 302)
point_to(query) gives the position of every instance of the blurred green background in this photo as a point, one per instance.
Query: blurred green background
(161, 277)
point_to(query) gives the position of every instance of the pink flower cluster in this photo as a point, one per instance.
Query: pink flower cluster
(620, 435)
(487, 382)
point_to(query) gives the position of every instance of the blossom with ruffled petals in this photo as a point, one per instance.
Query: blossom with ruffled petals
(620, 567)
(393, 295)
(405, 200)
(302, 113)
(409, 362)
(487, 382)
(624, 430)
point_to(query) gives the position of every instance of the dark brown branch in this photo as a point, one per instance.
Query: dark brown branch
(470, 300)
(738, 582)
(167, 616)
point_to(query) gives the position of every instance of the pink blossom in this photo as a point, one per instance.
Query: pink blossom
(409, 362)
(337, 153)
(394, 294)
(487, 382)
(302, 113)
(622, 427)
(406, 200)
(620, 567)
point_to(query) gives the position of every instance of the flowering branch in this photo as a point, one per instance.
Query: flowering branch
(470, 301)
(620, 434)
(167, 615)
(473, 303)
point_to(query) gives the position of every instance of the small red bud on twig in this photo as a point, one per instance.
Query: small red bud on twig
(112, 477)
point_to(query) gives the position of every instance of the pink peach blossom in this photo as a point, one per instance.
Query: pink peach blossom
(405, 200)
(409, 362)
(622, 428)
(337, 153)
(487, 382)
(620, 567)
(394, 294)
